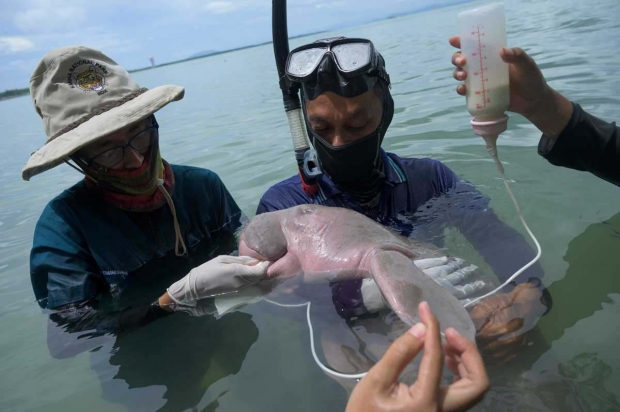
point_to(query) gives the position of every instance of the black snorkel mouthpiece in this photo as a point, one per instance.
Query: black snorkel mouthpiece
(307, 161)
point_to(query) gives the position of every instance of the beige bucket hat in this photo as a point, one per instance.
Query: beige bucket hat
(82, 95)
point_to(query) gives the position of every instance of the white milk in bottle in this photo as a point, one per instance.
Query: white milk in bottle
(483, 34)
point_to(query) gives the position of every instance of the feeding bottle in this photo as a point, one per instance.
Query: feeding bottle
(483, 34)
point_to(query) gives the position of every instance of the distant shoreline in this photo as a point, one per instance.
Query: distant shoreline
(219, 52)
(10, 94)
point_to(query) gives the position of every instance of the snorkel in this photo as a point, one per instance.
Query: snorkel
(307, 163)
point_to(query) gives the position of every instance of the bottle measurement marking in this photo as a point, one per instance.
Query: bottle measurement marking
(480, 72)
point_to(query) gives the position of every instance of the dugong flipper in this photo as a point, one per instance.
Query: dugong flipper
(404, 286)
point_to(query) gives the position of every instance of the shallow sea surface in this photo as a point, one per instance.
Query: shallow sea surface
(231, 121)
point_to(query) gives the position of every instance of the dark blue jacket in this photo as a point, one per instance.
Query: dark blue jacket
(421, 197)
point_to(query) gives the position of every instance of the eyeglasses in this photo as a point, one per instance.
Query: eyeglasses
(141, 143)
(352, 57)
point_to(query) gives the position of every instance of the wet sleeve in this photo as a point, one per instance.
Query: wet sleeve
(501, 246)
(587, 144)
(74, 328)
(265, 206)
(62, 269)
(280, 197)
(229, 216)
(271, 201)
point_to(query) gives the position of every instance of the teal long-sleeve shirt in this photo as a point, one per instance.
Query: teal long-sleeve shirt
(98, 268)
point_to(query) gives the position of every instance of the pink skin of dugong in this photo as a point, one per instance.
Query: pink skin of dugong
(312, 239)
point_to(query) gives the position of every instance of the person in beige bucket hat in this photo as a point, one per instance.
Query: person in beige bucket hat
(135, 223)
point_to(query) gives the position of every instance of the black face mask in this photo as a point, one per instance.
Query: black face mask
(356, 167)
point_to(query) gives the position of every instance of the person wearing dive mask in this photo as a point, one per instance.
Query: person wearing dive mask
(348, 108)
(127, 245)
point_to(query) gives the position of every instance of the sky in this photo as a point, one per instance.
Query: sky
(130, 31)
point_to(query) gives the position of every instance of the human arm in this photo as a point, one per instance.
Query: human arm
(380, 389)
(571, 137)
(79, 326)
(586, 144)
(513, 311)
(68, 282)
(82, 326)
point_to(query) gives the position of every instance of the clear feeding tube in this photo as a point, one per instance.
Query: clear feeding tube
(491, 143)
(483, 35)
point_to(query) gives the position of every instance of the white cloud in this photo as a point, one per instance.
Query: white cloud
(14, 44)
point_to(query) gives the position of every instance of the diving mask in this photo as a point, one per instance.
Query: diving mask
(347, 67)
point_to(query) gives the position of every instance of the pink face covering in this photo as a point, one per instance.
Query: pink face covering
(134, 190)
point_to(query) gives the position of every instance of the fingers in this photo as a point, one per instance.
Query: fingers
(459, 74)
(465, 352)
(518, 57)
(461, 274)
(253, 266)
(429, 376)
(430, 262)
(470, 288)
(468, 363)
(526, 292)
(458, 60)
(250, 267)
(505, 343)
(244, 260)
(259, 269)
(492, 332)
(385, 373)
(455, 41)
(444, 270)
(452, 360)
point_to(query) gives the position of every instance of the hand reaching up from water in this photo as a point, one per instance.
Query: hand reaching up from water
(503, 321)
(380, 390)
(530, 95)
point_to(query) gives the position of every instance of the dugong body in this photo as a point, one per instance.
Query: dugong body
(312, 239)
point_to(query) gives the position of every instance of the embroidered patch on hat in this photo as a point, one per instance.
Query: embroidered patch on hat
(87, 76)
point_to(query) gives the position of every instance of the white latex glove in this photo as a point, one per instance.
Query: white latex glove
(446, 272)
(222, 275)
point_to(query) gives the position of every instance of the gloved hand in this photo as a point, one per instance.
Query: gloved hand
(447, 272)
(219, 276)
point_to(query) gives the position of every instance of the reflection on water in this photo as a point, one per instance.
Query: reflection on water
(585, 381)
(231, 121)
(588, 257)
(182, 355)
